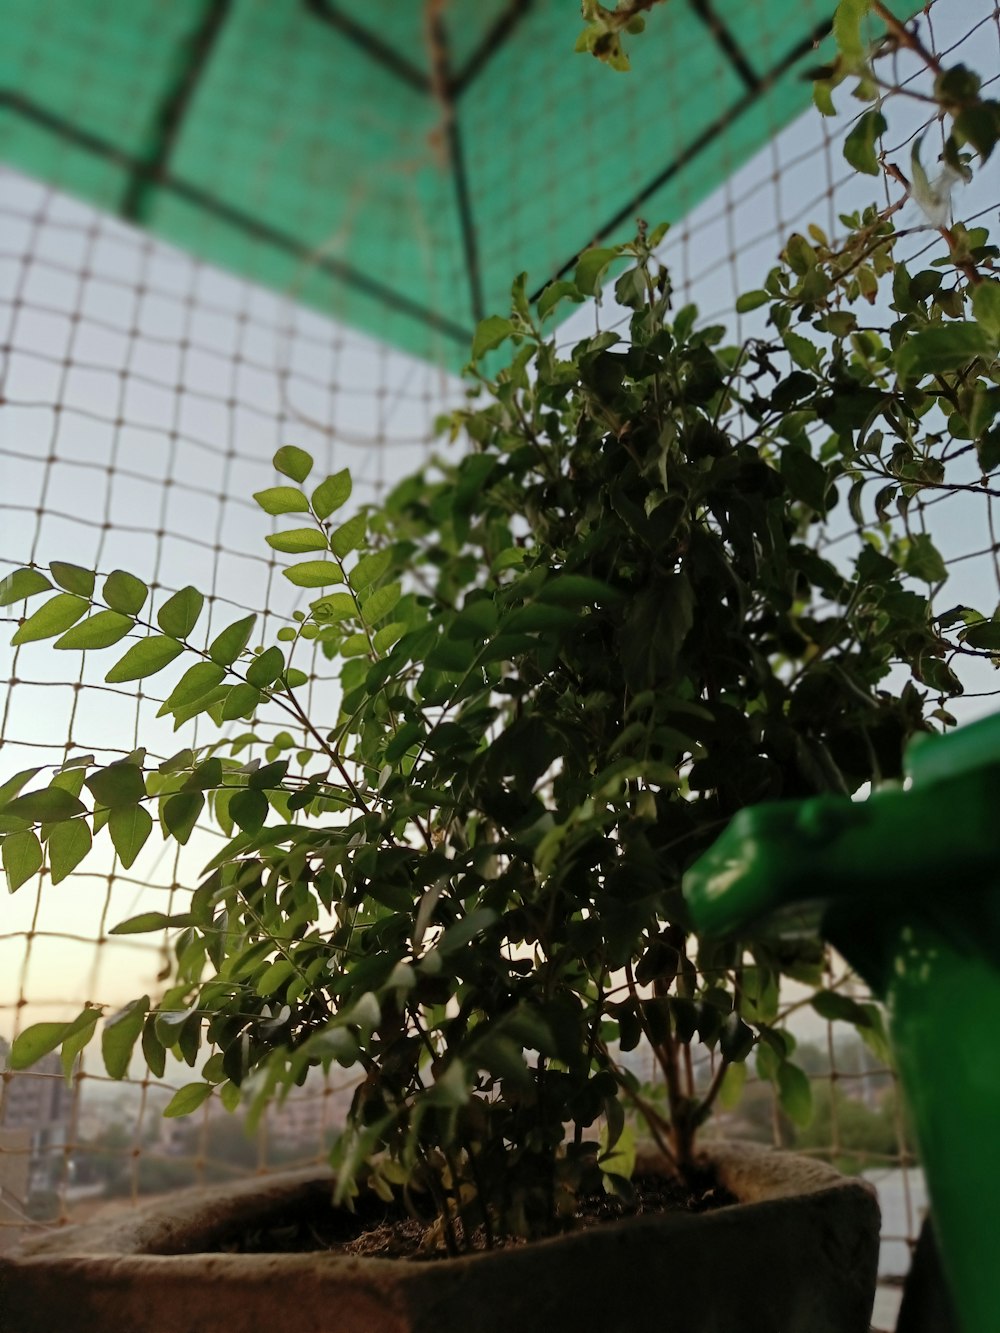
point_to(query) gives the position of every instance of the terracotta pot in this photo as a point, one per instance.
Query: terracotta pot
(798, 1254)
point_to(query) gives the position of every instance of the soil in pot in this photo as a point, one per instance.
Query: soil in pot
(387, 1231)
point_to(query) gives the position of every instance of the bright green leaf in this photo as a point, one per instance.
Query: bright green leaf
(331, 493)
(145, 658)
(369, 569)
(227, 646)
(297, 541)
(98, 631)
(378, 605)
(68, 843)
(293, 462)
(21, 584)
(282, 500)
(124, 592)
(179, 614)
(74, 578)
(196, 682)
(313, 574)
(52, 618)
(349, 536)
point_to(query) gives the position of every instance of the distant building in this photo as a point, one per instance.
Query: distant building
(37, 1101)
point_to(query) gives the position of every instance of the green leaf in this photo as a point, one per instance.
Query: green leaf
(282, 500)
(331, 493)
(266, 668)
(146, 922)
(794, 1093)
(68, 843)
(847, 33)
(196, 682)
(120, 783)
(37, 1040)
(490, 333)
(21, 584)
(275, 976)
(49, 805)
(859, 146)
(121, 1032)
(553, 294)
(313, 574)
(98, 631)
(248, 810)
(129, 826)
(378, 605)
(752, 301)
(179, 614)
(52, 617)
(985, 635)
(986, 308)
(78, 1035)
(941, 347)
(835, 1007)
(293, 462)
(576, 590)
(297, 541)
(923, 560)
(124, 592)
(591, 268)
(22, 857)
(180, 813)
(349, 536)
(240, 702)
(153, 1050)
(187, 1099)
(145, 658)
(806, 479)
(227, 646)
(736, 1040)
(74, 578)
(369, 569)
(733, 1081)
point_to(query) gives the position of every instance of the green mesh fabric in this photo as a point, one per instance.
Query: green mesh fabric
(388, 169)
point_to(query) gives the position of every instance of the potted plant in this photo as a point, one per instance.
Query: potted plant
(563, 663)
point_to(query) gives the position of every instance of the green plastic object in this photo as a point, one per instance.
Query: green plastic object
(906, 885)
(392, 175)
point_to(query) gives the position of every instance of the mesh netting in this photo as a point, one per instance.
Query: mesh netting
(144, 393)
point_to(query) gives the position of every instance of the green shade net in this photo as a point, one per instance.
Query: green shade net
(393, 163)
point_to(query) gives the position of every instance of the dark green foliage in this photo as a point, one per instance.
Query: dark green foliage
(564, 663)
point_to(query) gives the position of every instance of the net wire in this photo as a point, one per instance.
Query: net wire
(144, 394)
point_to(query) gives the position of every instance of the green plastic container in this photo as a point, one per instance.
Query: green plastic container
(906, 886)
